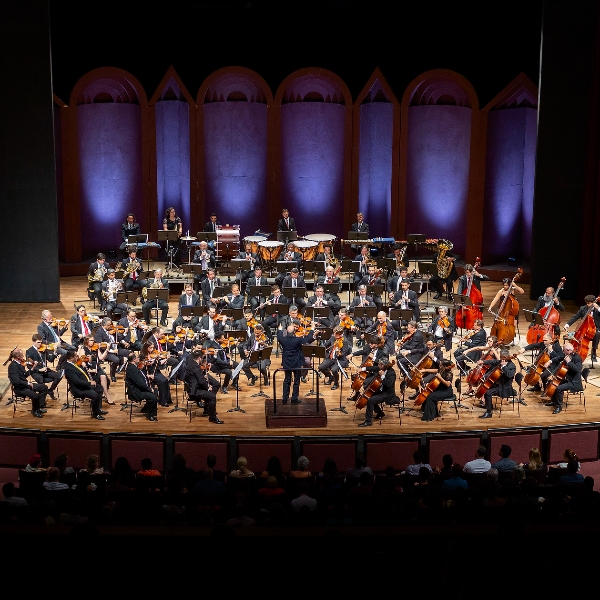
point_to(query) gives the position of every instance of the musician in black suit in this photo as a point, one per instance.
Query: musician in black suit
(115, 355)
(444, 390)
(138, 387)
(330, 279)
(51, 334)
(412, 347)
(135, 333)
(503, 385)
(295, 280)
(572, 381)
(41, 372)
(437, 282)
(81, 326)
(133, 277)
(442, 327)
(200, 386)
(291, 256)
(361, 227)
(322, 300)
(110, 287)
(17, 374)
(254, 259)
(555, 357)
(211, 324)
(476, 340)
(96, 273)
(222, 363)
(382, 327)
(385, 393)
(286, 223)
(405, 299)
(233, 300)
(82, 386)
(203, 256)
(372, 278)
(272, 318)
(213, 224)
(364, 258)
(590, 306)
(400, 275)
(361, 301)
(188, 298)
(157, 282)
(337, 350)
(130, 227)
(472, 277)
(326, 256)
(243, 324)
(208, 286)
(257, 341)
(256, 279)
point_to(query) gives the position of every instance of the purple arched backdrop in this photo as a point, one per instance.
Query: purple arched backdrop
(173, 159)
(375, 166)
(110, 154)
(510, 169)
(312, 160)
(235, 142)
(437, 180)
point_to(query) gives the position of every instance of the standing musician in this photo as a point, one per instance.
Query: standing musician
(134, 331)
(444, 390)
(257, 341)
(337, 350)
(95, 274)
(364, 259)
(361, 301)
(82, 385)
(139, 388)
(434, 352)
(471, 342)
(41, 372)
(130, 227)
(212, 224)
(256, 280)
(110, 287)
(295, 280)
(208, 286)
(442, 327)
(51, 333)
(272, 319)
(556, 356)
(546, 300)
(501, 294)
(503, 385)
(286, 223)
(411, 347)
(372, 278)
(221, 362)
(188, 298)
(470, 277)
(405, 299)
(359, 226)
(292, 359)
(572, 379)
(590, 306)
(385, 393)
(322, 300)
(96, 373)
(81, 325)
(203, 387)
(254, 259)
(205, 257)
(133, 271)
(211, 324)
(18, 373)
(438, 283)
(162, 284)
(172, 222)
(115, 355)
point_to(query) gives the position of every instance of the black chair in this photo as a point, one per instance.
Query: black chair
(15, 399)
(514, 396)
(75, 398)
(584, 377)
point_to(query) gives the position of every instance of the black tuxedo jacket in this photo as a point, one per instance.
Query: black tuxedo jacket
(77, 380)
(205, 288)
(46, 332)
(360, 227)
(282, 226)
(136, 382)
(18, 375)
(183, 301)
(209, 226)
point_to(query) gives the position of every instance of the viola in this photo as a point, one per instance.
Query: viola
(550, 316)
(373, 387)
(467, 315)
(585, 334)
(504, 320)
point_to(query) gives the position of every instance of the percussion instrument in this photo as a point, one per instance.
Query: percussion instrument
(322, 239)
(187, 238)
(254, 240)
(269, 251)
(307, 248)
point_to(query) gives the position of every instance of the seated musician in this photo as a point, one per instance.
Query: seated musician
(133, 271)
(442, 327)
(438, 283)
(257, 341)
(344, 320)
(383, 328)
(475, 339)
(411, 347)
(18, 372)
(372, 278)
(361, 301)
(591, 305)
(81, 325)
(337, 350)
(572, 380)
(325, 256)
(221, 362)
(256, 280)
(116, 355)
(254, 259)
(130, 227)
(544, 301)
(203, 387)
(205, 257)
(386, 393)
(373, 353)
(110, 287)
(434, 352)
(51, 332)
(247, 322)
(162, 284)
(41, 372)
(82, 386)
(405, 299)
(322, 300)
(134, 330)
(188, 298)
(291, 256)
(212, 224)
(272, 318)
(556, 355)
(400, 275)
(503, 385)
(444, 390)
(154, 363)
(474, 354)
(96, 273)
(96, 355)
(211, 324)
(295, 280)
(139, 388)
(207, 288)
(364, 258)
(233, 300)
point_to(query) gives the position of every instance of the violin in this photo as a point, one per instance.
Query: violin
(444, 322)
(262, 338)
(252, 322)
(404, 339)
(58, 323)
(550, 316)
(346, 322)
(99, 346)
(229, 342)
(84, 358)
(467, 315)
(382, 329)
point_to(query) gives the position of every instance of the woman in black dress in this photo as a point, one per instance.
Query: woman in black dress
(172, 222)
(443, 390)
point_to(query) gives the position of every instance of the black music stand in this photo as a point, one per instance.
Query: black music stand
(260, 291)
(375, 288)
(416, 239)
(314, 312)
(358, 235)
(137, 240)
(294, 292)
(351, 267)
(172, 377)
(169, 235)
(157, 294)
(312, 352)
(285, 266)
(129, 298)
(240, 264)
(221, 290)
(331, 288)
(308, 265)
(430, 269)
(234, 375)
(343, 375)
(287, 236)
(192, 311)
(463, 301)
(279, 310)
(256, 356)
(207, 236)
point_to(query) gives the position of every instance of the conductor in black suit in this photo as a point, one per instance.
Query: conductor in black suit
(292, 360)
(286, 223)
(138, 388)
(82, 386)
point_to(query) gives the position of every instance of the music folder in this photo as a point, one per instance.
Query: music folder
(192, 311)
(206, 236)
(260, 290)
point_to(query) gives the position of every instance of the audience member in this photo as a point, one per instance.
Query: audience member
(207, 485)
(303, 499)
(53, 483)
(92, 465)
(211, 463)
(416, 467)
(274, 469)
(456, 481)
(302, 472)
(242, 469)
(446, 471)
(479, 464)
(505, 464)
(240, 519)
(35, 464)
(535, 461)
(9, 492)
(147, 470)
(568, 456)
(573, 477)
(359, 467)
(61, 464)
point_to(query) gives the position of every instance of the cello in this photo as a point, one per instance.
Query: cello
(467, 315)
(492, 377)
(556, 379)
(504, 320)
(478, 372)
(373, 387)
(534, 371)
(550, 315)
(430, 387)
(585, 333)
(416, 371)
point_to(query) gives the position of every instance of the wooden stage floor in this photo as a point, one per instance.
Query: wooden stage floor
(20, 321)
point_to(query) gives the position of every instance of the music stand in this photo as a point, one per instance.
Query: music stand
(192, 311)
(351, 267)
(128, 298)
(308, 265)
(331, 288)
(285, 266)
(416, 239)
(157, 294)
(169, 235)
(287, 236)
(207, 236)
(343, 375)
(294, 292)
(240, 264)
(375, 289)
(234, 375)
(312, 352)
(171, 378)
(358, 235)
(256, 356)
(137, 240)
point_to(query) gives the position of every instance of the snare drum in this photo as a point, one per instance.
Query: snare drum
(322, 239)
(269, 251)
(254, 240)
(307, 248)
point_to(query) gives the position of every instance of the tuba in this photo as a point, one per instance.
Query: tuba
(443, 266)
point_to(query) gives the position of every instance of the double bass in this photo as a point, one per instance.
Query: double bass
(467, 315)
(373, 387)
(585, 334)
(551, 317)
(504, 320)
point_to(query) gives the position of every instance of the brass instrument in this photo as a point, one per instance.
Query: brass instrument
(112, 289)
(444, 266)
(155, 284)
(400, 257)
(132, 266)
(97, 275)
